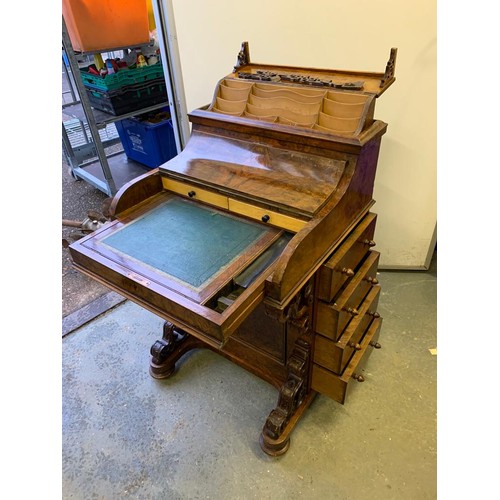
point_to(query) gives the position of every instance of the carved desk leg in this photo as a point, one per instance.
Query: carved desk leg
(168, 350)
(295, 395)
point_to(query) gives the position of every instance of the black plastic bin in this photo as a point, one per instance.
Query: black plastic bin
(129, 98)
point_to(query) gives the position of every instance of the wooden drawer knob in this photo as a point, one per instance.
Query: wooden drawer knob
(370, 243)
(347, 271)
(375, 314)
(351, 310)
(192, 194)
(372, 281)
(375, 345)
(359, 378)
(354, 345)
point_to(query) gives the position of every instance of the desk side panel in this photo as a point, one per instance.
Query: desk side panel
(135, 192)
(311, 246)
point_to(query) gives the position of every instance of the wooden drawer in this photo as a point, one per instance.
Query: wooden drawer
(332, 318)
(265, 215)
(195, 192)
(344, 261)
(337, 386)
(335, 355)
(258, 213)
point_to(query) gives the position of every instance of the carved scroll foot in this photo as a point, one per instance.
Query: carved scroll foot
(167, 351)
(274, 447)
(293, 400)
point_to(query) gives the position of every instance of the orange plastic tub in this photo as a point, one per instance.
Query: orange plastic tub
(95, 25)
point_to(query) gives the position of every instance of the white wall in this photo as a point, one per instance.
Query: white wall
(340, 35)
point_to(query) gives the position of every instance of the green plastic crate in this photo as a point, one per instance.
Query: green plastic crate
(122, 78)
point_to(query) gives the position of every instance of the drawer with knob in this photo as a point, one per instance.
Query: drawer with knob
(195, 192)
(343, 263)
(333, 317)
(337, 386)
(264, 215)
(335, 355)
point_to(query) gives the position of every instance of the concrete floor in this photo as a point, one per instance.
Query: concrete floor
(195, 436)
(78, 197)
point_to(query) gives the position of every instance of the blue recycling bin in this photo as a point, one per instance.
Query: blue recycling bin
(146, 142)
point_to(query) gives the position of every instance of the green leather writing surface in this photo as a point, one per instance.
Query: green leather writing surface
(187, 241)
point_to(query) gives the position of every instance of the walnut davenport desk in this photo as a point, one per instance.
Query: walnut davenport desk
(256, 241)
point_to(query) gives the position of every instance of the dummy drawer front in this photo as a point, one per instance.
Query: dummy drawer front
(265, 215)
(337, 386)
(344, 261)
(335, 355)
(195, 192)
(332, 318)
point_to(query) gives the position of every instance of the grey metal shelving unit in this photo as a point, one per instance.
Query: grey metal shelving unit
(110, 171)
(86, 153)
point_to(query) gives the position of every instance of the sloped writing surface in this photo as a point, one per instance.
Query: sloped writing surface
(297, 181)
(189, 242)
